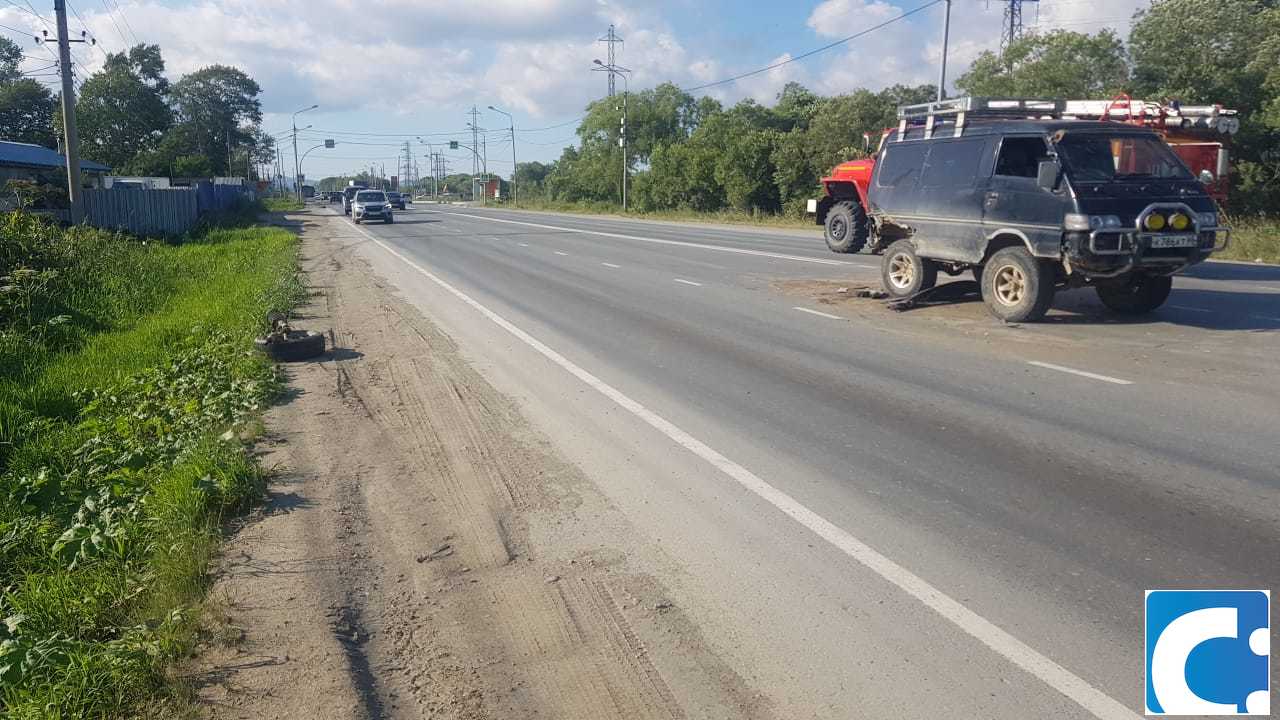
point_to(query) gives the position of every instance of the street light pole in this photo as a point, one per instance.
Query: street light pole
(942, 69)
(513, 151)
(297, 164)
(325, 144)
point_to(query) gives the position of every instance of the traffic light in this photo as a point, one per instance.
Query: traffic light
(453, 144)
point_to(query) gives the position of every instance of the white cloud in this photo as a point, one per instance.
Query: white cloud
(841, 18)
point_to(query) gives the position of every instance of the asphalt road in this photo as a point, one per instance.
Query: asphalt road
(1039, 478)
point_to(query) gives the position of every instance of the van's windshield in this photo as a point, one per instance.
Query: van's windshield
(1092, 158)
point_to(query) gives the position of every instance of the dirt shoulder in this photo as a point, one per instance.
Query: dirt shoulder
(392, 571)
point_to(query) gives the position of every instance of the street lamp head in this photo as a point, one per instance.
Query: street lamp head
(597, 62)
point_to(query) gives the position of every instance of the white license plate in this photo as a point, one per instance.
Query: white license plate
(1172, 241)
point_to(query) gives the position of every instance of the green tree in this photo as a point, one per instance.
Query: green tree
(26, 106)
(1220, 51)
(1057, 64)
(216, 108)
(122, 110)
(10, 59)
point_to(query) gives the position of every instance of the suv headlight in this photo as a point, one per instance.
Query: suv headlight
(1076, 221)
(1207, 220)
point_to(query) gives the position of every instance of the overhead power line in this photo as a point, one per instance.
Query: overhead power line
(815, 51)
(112, 17)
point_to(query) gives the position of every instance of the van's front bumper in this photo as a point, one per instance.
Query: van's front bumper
(1115, 251)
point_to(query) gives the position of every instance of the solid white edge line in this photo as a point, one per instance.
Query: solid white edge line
(819, 313)
(611, 265)
(1265, 317)
(687, 282)
(721, 248)
(1011, 648)
(1081, 373)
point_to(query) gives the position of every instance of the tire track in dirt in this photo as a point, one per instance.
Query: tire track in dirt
(422, 482)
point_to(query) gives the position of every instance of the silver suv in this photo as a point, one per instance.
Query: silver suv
(370, 204)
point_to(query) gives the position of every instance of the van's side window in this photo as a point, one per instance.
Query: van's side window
(902, 164)
(1020, 156)
(953, 163)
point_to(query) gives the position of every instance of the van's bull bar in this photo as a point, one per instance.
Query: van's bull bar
(1220, 233)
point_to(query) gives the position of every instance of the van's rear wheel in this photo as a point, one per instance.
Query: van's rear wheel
(903, 273)
(1135, 294)
(1016, 286)
(847, 227)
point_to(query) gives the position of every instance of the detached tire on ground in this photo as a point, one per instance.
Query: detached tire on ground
(847, 227)
(1136, 294)
(1016, 286)
(298, 345)
(903, 273)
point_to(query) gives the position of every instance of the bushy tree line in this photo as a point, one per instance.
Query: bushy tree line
(693, 153)
(132, 118)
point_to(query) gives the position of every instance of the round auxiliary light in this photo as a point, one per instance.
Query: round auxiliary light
(1178, 221)
(1154, 221)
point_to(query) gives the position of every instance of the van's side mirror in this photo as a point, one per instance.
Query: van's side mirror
(1047, 174)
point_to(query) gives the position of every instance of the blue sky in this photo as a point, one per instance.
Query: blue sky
(412, 68)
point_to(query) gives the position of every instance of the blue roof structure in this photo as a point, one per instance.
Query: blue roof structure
(16, 154)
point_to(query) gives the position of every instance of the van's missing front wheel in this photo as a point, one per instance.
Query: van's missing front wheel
(1135, 294)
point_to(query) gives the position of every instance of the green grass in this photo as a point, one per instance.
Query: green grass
(281, 204)
(126, 380)
(727, 217)
(1253, 240)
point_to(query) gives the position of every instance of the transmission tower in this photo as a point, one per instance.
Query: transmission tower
(1011, 29)
(611, 39)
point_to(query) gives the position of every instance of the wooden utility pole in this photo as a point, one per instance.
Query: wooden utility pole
(69, 114)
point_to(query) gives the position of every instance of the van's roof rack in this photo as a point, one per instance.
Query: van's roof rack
(962, 108)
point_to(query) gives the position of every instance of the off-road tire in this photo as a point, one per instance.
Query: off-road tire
(1016, 286)
(903, 273)
(298, 346)
(846, 228)
(1135, 295)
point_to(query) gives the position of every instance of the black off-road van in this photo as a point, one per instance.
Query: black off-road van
(1031, 202)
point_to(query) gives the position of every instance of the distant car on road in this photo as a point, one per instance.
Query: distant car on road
(348, 193)
(396, 199)
(370, 204)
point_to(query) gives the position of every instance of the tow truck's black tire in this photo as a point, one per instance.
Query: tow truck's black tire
(903, 273)
(846, 228)
(1016, 286)
(299, 346)
(1135, 295)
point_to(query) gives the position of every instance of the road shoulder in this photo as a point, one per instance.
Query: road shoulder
(393, 573)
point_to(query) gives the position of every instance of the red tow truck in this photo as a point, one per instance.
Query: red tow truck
(1197, 134)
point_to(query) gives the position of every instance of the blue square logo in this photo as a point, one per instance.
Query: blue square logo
(1208, 652)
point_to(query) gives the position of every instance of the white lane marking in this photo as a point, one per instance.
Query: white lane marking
(1266, 317)
(819, 313)
(1081, 373)
(687, 282)
(1011, 648)
(1189, 309)
(610, 265)
(561, 253)
(740, 251)
(524, 244)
